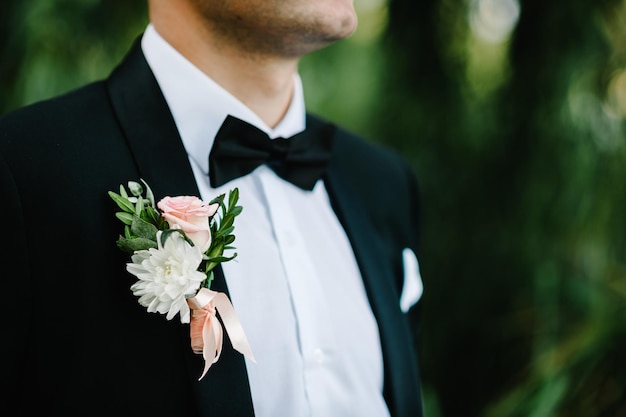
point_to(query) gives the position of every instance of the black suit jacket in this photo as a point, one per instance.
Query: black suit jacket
(75, 339)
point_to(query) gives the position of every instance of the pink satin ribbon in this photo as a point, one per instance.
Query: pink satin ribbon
(206, 330)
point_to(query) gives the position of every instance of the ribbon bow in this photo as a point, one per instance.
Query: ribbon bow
(206, 330)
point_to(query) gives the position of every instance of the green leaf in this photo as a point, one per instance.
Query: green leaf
(233, 197)
(152, 215)
(227, 231)
(219, 199)
(168, 232)
(126, 218)
(209, 279)
(218, 249)
(135, 188)
(210, 266)
(139, 206)
(122, 202)
(123, 191)
(143, 229)
(219, 259)
(149, 193)
(132, 245)
(227, 222)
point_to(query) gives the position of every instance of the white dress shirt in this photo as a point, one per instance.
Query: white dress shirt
(295, 284)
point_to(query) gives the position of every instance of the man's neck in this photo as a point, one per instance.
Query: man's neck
(263, 83)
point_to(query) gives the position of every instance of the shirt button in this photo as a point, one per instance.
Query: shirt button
(318, 355)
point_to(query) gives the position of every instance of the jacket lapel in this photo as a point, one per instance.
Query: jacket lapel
(401, 386)
(149, 127)
(162, 162)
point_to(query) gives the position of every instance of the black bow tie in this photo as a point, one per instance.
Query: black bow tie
(240, 147)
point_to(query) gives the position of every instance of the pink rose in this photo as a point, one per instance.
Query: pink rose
(191, 215)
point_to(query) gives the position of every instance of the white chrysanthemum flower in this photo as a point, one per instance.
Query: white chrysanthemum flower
(167, 275)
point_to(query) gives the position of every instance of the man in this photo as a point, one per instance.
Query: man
(324, 274)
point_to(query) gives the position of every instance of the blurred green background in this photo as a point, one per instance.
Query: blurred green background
(513, 113)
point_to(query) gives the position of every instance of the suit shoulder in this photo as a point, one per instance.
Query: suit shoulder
(361, 147)
(373, 161)
(72, 131)
(79, 104)
(351, 146)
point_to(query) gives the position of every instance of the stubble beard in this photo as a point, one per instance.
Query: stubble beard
(290, 37)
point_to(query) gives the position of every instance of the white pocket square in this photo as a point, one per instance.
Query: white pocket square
(413, 287)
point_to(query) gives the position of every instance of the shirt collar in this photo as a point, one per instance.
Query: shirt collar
(199, 105)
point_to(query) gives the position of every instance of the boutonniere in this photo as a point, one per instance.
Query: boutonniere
(174, 245)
